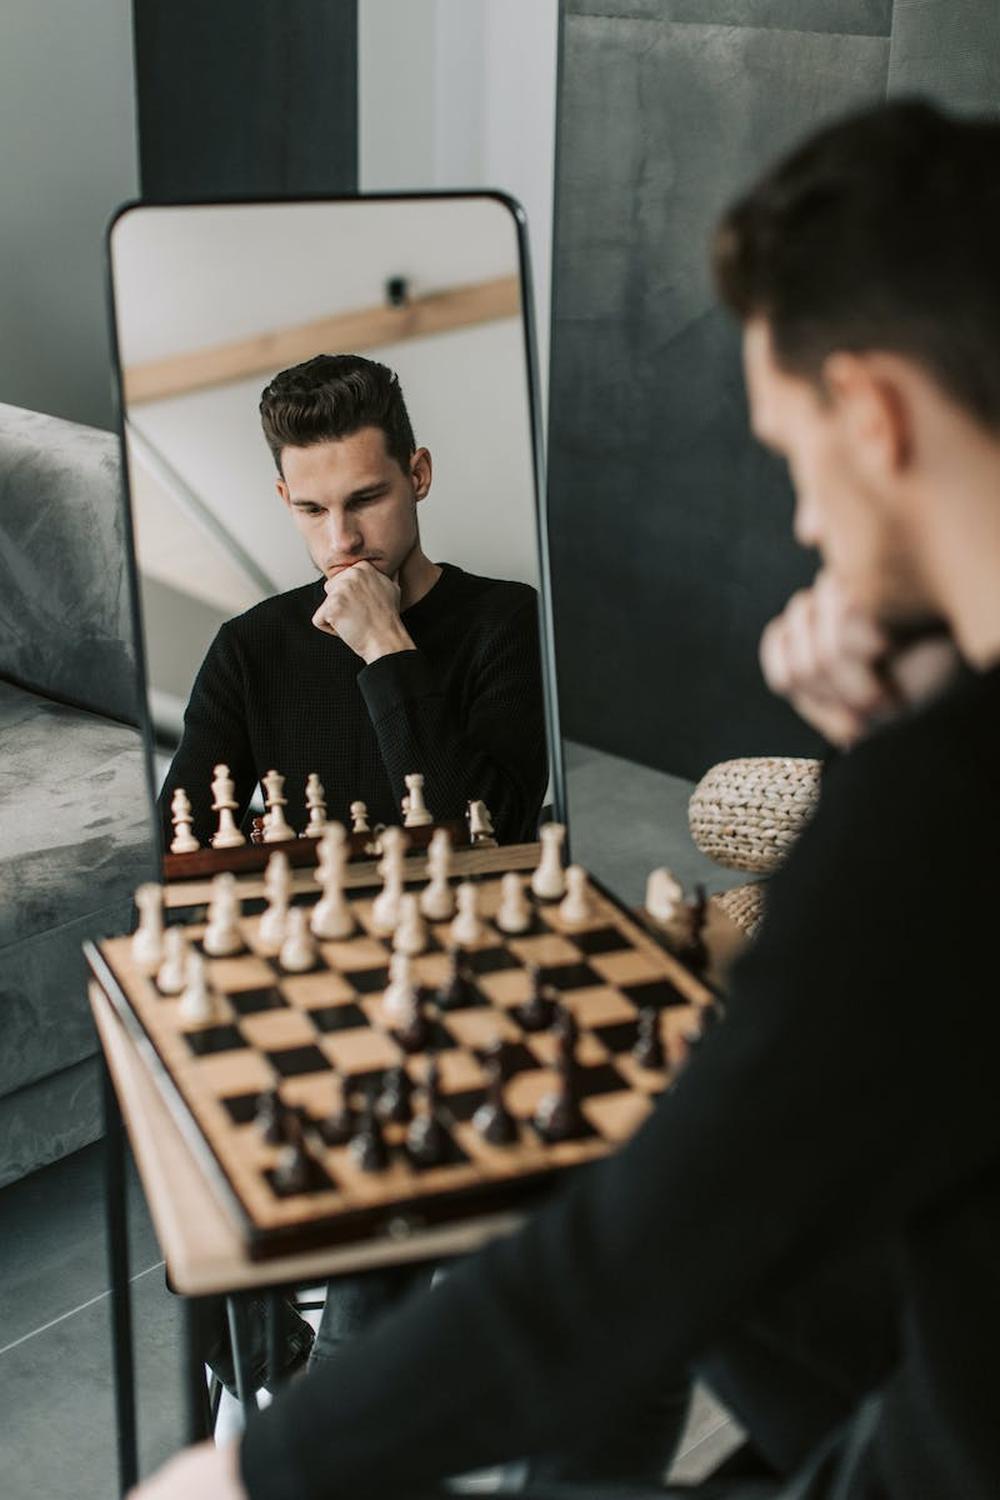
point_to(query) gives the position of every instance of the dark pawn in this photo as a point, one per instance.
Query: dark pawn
(493, 1119)
(272, 1118)
(540, 1010)
(558, 1117)
(456, 990)
(293, 1173)
(567, 1032)
(427, 1139)
(395, 1100)
(368, 1147)
(648, 1051)
(414, 1036)
(695, 952)
(338, 1127)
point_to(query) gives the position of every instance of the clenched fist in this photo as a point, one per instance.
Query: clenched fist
(840, 670)
(202, 1473)
(362, 608)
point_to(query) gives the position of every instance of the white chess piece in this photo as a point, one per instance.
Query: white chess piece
(400, 995)
(411, 930)
(227, 835)
(198, 1005)
(332, 846)
(359, 818)
(664, 895)
(385, 907)
(576, 906)
(278, 885)
(316, 803)
(480, 823)
(415, 813)
(437, 901)
(466, 928)
(222, 935)
(184, 841)
(298, 951)
(171, 976)
(147, 941)
(514, 912)
(331, 916)
(548, 882)
(277, 829)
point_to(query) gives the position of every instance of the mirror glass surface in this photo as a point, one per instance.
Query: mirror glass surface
(211, 302)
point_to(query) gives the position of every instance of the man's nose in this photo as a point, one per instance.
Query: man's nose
(345, 537)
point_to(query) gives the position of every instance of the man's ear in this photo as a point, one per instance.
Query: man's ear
(873, 410)
(421, 473)
(283, 495)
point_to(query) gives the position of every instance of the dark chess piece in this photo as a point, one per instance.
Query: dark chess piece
(558, 1116)
(648, 1051)
(414, 1036)
(566, 1030)
(294, 1170)
(493, 1119)
(395, 1103)
(257, 831)
(456, 990)
(338, 1126)
(272, 1118)
(427, 1138)
(540, 1010)
(368, 1146)
(695, 951)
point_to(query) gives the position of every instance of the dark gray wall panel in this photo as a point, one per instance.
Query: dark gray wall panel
(856, 17)
(670, 529)
(949, 49)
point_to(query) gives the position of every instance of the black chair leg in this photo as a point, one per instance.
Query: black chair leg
(199, 1414)
(246, 1398)
(121, 1301)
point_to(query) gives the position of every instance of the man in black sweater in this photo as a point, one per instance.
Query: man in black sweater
(847, 1104)
(389, 663)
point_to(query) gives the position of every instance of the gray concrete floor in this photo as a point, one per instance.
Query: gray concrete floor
(56, 1419)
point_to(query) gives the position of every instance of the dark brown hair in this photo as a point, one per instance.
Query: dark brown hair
(881, 232)
(331, 397)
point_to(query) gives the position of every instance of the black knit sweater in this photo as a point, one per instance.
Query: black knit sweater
(465, 709)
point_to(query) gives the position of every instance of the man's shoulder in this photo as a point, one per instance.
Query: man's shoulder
(275, 611)
(497, 597)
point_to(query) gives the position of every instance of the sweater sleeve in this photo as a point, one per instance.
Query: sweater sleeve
(215, 730)
(802, 1122)
(489, 746)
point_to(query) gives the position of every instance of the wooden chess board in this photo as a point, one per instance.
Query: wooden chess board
(313, 1035)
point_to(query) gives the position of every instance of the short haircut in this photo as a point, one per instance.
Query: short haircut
(880, 232)
(333, 396)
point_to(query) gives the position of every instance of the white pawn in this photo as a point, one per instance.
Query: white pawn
(415, 813)
(664, 895)
(172, 973)
(184, 841)
(278, 884)
(437, 902)
(276, 826)
(480, 823)
(227, 835)
(411, 930)
(197, 1002)
(514, 913)
(466, 928)
(385, 907)
(400, 996)
(332, 847)
(576, 906)
(331, 916)
(298, 951)
(548, 882)
(359, 818)
(147, 941)
(222, 935)
(316, 803)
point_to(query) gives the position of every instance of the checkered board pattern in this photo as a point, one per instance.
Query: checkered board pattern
(303, 1032)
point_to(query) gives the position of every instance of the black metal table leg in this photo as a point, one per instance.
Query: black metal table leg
(116, 1217)
(198, 1421)
(246, 1397)
(273, 1339)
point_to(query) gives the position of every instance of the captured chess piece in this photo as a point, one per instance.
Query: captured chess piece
(182, 818)
(359, 818)
(538, 1013)
(648, 1051)
(415, 810)
(466, 929)
(456, 991)
(147, 940)
(493, 1119)
(298, 951)
(368, 1145)
(171, 977)
(514, 914)
(480, 823)
(427, 1139)
(223, 937)
(549, 882)
(226, 835)
(316, 803)
(576, 907)
(394, 1103)
(437, 901)
(277, 829)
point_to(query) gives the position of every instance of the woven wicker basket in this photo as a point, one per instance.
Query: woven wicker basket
(744, 905)
(746, 814)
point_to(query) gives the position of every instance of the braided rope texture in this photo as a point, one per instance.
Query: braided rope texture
(746, 814)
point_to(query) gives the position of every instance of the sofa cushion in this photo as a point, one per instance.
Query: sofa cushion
(49, 1119)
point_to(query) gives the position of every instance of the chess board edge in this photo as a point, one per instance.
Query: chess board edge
(250, 858)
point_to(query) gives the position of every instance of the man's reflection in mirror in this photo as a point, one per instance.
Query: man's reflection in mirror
(389, 663)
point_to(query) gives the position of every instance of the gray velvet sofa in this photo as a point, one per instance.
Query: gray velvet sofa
(75, 828)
